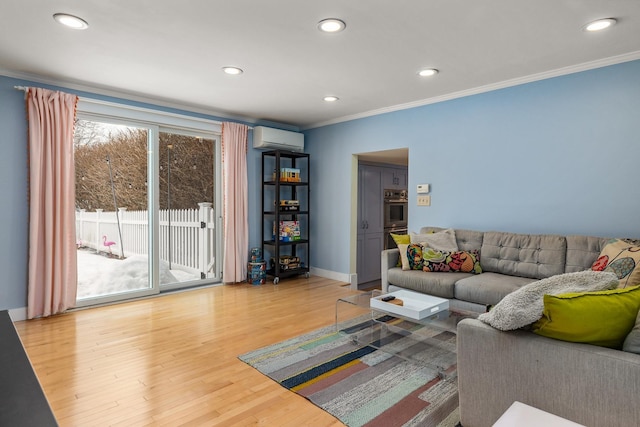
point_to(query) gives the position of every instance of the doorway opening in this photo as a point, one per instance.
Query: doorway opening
(378, 174)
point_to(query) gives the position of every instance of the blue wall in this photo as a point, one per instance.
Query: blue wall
(554, 156)
(14, 233)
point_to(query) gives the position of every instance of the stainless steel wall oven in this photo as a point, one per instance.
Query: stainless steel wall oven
(396, 212)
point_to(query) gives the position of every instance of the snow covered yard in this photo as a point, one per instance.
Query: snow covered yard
(100, 275)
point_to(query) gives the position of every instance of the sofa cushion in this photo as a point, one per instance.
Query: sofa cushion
(436, 284)
(582, 251)
(524, 306)
(467, 240)
(444, 240)
(602, 318)
(621, 258)
(488, 288)
(524, 255)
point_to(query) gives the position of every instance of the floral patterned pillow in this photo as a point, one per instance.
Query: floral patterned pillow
(459, 261)
(414, 256)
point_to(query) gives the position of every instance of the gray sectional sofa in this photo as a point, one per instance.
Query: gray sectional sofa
(590, 385)
(508, 261)
(587, 384)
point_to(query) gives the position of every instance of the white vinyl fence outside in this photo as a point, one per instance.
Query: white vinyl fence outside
(187, 236)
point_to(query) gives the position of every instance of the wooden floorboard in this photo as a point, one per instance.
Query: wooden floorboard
(172, 360)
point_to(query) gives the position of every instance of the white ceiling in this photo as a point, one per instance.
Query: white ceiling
(171, 52)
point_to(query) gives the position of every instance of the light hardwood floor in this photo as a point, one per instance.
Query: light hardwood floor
(172, 360)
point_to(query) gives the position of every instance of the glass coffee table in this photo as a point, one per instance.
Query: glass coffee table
(428, 341)
(359, 301)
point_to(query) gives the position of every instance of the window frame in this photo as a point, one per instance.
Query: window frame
(157, 121)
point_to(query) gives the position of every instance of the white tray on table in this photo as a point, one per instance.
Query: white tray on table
(415, 305)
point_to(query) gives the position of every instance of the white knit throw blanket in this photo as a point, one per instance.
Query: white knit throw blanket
(524, 306)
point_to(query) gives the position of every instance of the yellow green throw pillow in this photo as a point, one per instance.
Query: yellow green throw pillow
(601, 318)
(400, 239)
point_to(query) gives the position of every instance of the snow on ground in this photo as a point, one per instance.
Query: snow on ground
(99, 274)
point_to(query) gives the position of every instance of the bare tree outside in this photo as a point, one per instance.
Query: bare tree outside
(186, 168)
(186, 171)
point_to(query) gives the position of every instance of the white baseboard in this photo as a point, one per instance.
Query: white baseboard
(354, 281)
(333, 275)
(18, 314)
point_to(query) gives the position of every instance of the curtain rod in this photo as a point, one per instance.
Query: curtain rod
(25, 89)
(96, 101)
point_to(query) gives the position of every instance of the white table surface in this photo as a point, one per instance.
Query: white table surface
(521, 415)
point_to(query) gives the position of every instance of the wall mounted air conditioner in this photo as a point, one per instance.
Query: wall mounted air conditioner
(276, 139)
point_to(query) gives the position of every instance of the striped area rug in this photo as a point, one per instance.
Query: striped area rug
(362, 386)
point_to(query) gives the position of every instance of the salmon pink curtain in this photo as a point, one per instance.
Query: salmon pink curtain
(235, 195)
(52, 250)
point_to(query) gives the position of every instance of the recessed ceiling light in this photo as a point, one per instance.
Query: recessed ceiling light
(427, 72)
(600, 24)
(331, 25)
(331, 98)
(71, 21)
(232, 70)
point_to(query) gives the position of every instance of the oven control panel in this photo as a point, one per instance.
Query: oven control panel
(395, 195)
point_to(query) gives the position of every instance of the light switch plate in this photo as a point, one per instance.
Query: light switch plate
(424, 200)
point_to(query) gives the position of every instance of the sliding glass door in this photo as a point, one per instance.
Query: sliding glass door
(147, 202)
(187, 220)
(114, 233)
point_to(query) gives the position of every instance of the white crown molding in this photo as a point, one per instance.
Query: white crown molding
(632, 56)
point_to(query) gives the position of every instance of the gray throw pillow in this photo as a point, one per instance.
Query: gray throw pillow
(443, 241)
(524, 306)
(632, 342)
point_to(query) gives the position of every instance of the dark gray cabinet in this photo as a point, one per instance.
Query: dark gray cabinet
(372, 181)
(370, 223)
(370, 214)
(394, 178)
